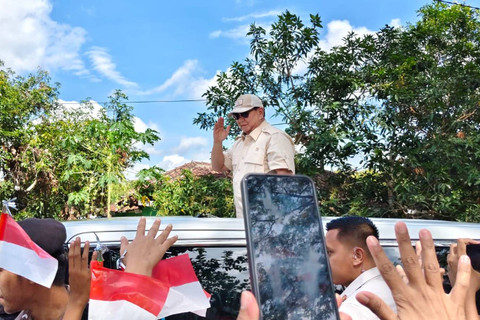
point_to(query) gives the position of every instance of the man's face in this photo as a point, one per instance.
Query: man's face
(341, 259)
(254, 119)
(13, 291)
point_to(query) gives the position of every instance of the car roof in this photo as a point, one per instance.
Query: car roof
(194, 231)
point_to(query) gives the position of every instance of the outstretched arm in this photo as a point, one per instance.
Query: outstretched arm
(145, 251)
(423, 297)
(79, 278)
(219, 134)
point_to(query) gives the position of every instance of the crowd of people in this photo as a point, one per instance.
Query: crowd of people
(374, 287)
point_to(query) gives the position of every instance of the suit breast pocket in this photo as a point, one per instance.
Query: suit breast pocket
(255, 160)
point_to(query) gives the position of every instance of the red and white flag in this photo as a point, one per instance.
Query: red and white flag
(20, 255)
(172, 289)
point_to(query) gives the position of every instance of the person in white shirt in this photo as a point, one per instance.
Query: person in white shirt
(353, 266)
(260, 148)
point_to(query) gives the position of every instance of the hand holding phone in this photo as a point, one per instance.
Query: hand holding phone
(463, 246)
(289, 269)
(473, 252)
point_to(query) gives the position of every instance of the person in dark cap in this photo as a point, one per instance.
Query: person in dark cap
(33, 301)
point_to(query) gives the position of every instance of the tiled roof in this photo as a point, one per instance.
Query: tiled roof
(199, 169)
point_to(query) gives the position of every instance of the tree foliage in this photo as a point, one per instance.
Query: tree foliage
(26, 162)
(59, 161)
(101, 149)
(403, 102)
(191, 195)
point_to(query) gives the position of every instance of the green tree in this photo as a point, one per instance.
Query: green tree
(403, 100)
(26, 164)
(56, 160)
(100, 151)
(190, 195)
(424, 80)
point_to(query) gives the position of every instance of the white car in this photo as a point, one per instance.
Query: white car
(217, 249)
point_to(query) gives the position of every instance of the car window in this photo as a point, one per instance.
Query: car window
(223, 272)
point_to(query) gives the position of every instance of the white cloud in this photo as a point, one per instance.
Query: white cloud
(131, 173)
(171, 161)
(396, 23)
(191, 143)
(81, 110)
(253, 16)
(202, 155)
(236, 33)
(141, 126)
(185, 80)
(103, 64)
(200, 85)
(30, 38)
(339, 29)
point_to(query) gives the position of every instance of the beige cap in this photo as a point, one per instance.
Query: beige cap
(246, 102)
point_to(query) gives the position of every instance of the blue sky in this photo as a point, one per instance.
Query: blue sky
(163, 50)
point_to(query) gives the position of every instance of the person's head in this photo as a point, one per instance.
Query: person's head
(16, 291)
(50, 235)
(248, 112)
(347, 247)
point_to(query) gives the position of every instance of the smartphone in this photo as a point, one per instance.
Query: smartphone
(473, 251)
(289, 270)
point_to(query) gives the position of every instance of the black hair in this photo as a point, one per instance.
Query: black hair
(354, 230)
(61, 276)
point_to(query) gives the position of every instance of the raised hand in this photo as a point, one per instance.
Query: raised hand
(79, 279)
(220, 133)
(423, 297)
(145, 251)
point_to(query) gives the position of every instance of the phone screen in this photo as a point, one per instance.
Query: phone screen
(289, 270)
(473, 251)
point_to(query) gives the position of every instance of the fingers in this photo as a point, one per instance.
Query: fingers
(165, 246)
(462, 246)
(164, 235)
(401, 272)
(154, 229)
(141, 227)
(219, 125)
(123, 244)
(418, 252)
(86, 250)
(384, 265)
(228, 129)
(248, 307)
(74, 253)
(169, 242)
(459, 290)
(76, 259)
(431, 267)
(410, 262)
(442, 272)
(452, 261)
(374, 303)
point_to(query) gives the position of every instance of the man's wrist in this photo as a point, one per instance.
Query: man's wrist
(217, 143)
